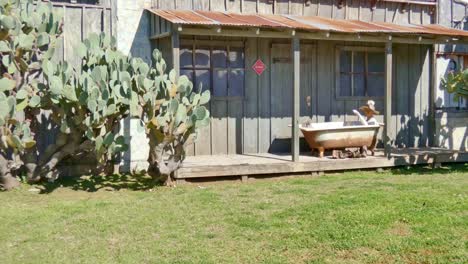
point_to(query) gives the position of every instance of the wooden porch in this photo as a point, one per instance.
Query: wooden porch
(251, 165)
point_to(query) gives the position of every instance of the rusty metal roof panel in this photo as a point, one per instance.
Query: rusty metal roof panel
(182, 17)
(290, 22)
(307, 23)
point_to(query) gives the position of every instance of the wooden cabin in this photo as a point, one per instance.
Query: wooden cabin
(273, 64)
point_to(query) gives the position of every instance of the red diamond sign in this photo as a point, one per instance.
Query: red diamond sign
(259, 67)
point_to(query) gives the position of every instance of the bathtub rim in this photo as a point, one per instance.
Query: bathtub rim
(309, 129)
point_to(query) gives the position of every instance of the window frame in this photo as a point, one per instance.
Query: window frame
(461, 105)
(364, 49)
(212, 45)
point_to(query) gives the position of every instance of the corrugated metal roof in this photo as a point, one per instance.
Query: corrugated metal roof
(307, 23)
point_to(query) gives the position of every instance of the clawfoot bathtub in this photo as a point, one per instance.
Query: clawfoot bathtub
(340, 135)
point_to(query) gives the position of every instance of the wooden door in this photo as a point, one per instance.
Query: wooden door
(281, 92)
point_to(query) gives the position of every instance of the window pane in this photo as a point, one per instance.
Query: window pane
(186, 57)
(345, 61)
(202, 57)
(358, 62)
(375, 85)
(236, 57)
(376, 62)
(345, 85)
(188, 73)
(236, 83)
(202, 78)
(358, 85)
(219, 58)
(220, 83)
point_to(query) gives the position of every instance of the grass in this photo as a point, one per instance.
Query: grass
(399, 216)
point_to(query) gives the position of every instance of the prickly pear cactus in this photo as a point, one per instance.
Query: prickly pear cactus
(28, 33)
(88, 104)
(174, 112)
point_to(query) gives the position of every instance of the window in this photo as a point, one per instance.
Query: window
(219, 69)
(445, 65)
(360, 72)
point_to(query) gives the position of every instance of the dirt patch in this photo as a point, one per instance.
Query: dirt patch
(400, 229)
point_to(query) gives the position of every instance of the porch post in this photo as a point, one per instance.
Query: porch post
(388, 98)
(175, 43)
(296, 55)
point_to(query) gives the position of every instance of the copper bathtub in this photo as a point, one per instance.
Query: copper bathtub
(340, 135)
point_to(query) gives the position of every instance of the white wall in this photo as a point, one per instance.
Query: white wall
(133, 38)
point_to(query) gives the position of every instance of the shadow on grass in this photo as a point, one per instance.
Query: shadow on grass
(113, 182)
(427, 169)
(142, 182)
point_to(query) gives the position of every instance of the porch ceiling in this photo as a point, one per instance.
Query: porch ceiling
(308, 24)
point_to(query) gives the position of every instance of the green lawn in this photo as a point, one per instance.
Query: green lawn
(403, 216)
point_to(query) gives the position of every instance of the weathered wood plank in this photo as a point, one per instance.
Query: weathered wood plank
(325, 9)
(218, 5)
(235, 165)
(92, 21)
(308, 79)
(265, 6)
(414, 94)
(415, 14)
(388, 135)
(402, 92)
(72, 34)
(219, 128)
(233, 6)
(281, 94)
(379, 12)
(352, 9)
(296, 57)
(296, 7)
(426, 133)
(325, 76)
(201, 5)
(339, 12)
(184, 4)
(264, 97)
(234, 126)
(312, 8)
(250, 6)
(250, 128)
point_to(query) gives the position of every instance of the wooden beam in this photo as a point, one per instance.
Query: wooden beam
(388, 137)
(160, 36)
(263, 33)
(296, 55)
(432, 95)
(175, 43)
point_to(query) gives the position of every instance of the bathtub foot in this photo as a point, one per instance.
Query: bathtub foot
(321, 152)
(372, 150)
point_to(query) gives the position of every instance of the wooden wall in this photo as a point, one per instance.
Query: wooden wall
(260, 122)
(79, 21)
(452, 14)
(388, 11)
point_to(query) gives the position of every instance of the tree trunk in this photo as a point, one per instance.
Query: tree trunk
(7, 181)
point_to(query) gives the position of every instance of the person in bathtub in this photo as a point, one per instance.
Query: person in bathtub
(369, 112)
